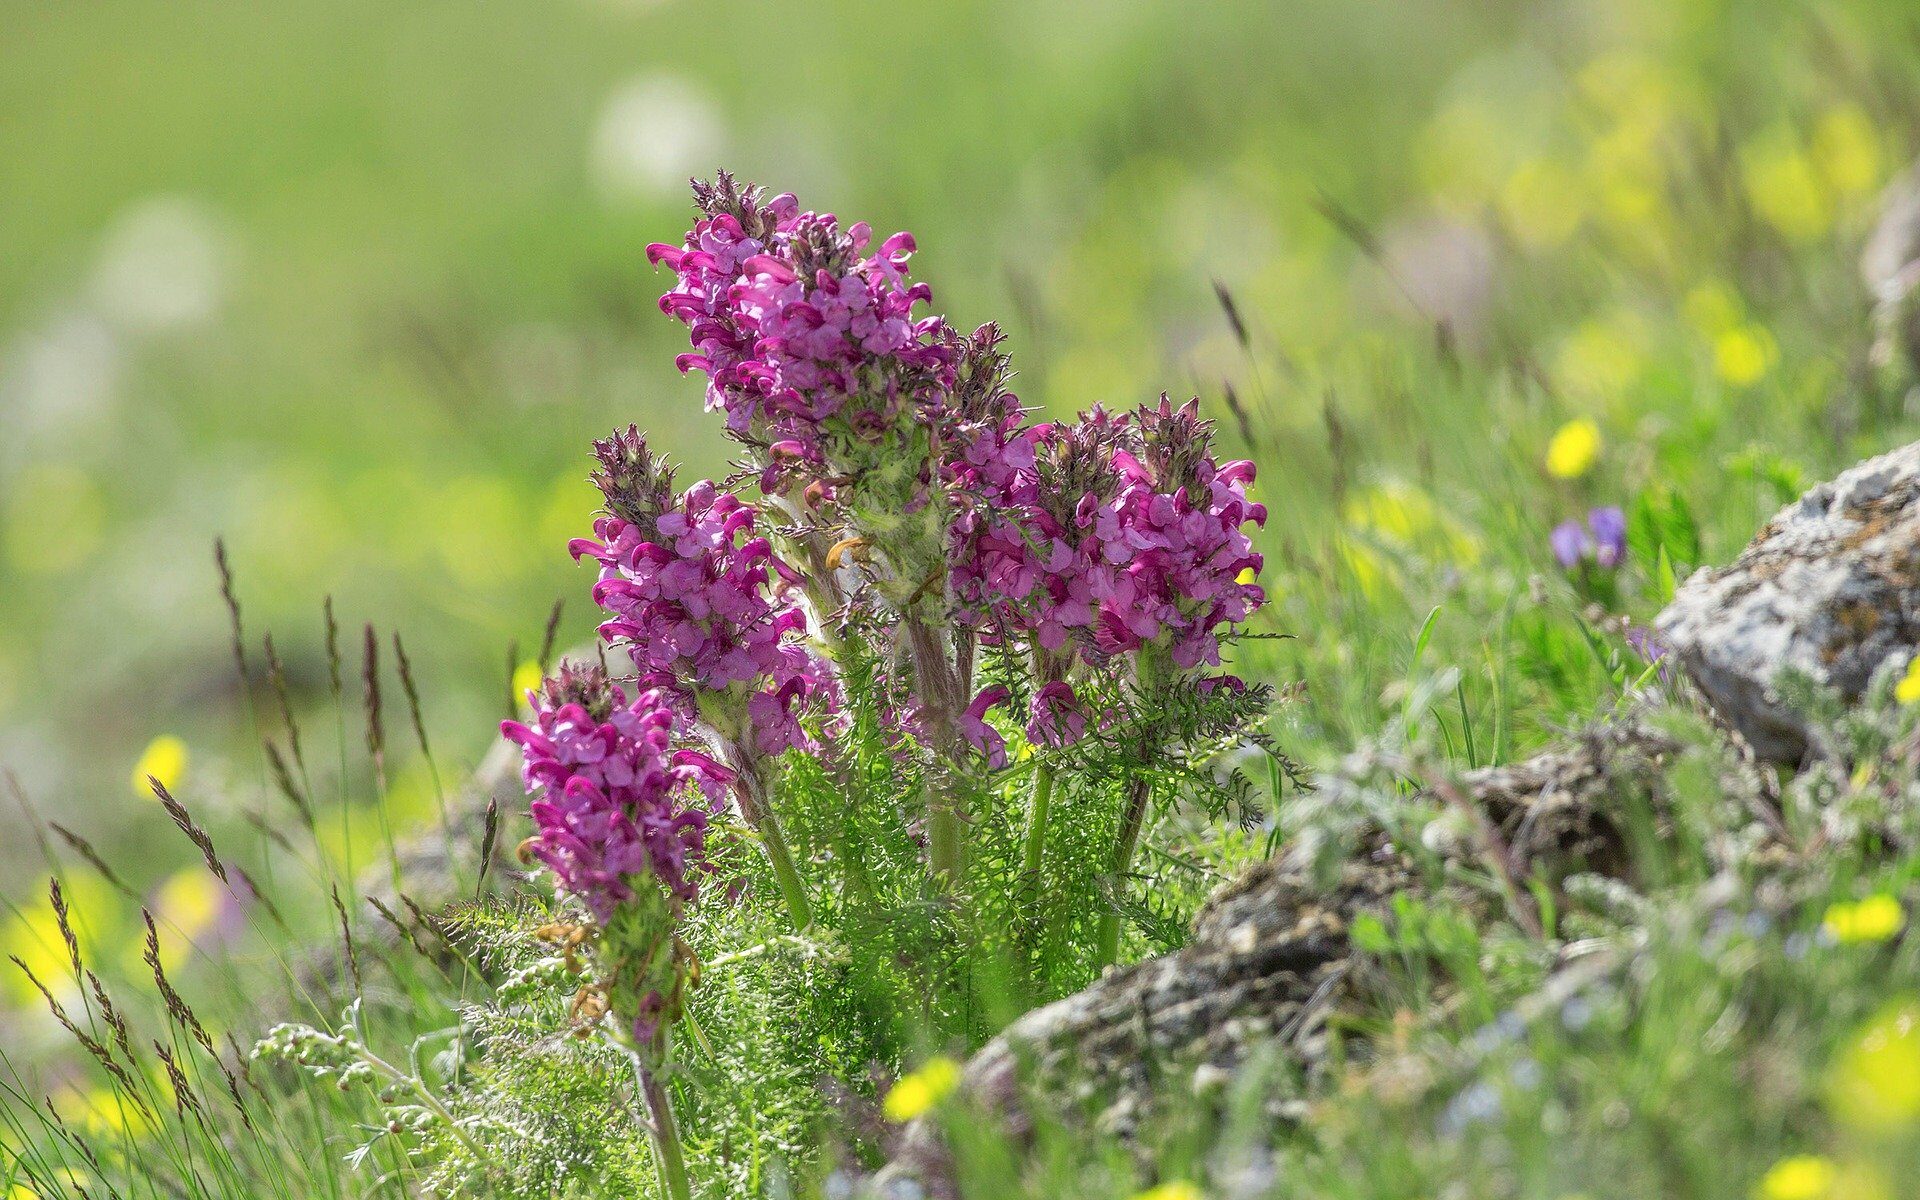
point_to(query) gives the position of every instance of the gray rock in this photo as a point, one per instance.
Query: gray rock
(1830, 589)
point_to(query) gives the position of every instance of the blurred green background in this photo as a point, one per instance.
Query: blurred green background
(353, 284)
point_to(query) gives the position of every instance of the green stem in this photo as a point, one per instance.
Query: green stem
(1037, 824)
(785, 874)
(1107, 943)
(751, 791)
(666, 1134)
(943, 837)
(940, 704)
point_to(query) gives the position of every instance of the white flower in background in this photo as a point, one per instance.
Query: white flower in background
(654, 133)
(58, 376)
(1439, 268)
(163, 267)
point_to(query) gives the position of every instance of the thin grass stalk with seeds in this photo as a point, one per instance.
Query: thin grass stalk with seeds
(277, 677)
(289, 787)
(260, 896)
(552, 632)
(184, 1097)
(489, 838)
(334, 677)
(265, 829)
(346, 938)
(401, 927)
(232, 599)
(177, 1006)
(115, 1019)
(377, 743)
(198, 836)
(88, 1042)
(58, 900)
(84, 849)
(412, 692)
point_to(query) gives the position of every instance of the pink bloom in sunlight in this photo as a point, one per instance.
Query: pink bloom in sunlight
(1058, 718)
(984, 738)
(795, 323)
(699, 601)
(617, 802)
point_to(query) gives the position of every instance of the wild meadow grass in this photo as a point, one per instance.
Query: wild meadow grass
(1601, 277)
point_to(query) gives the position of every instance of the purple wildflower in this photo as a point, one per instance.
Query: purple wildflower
(1128, 533)
(618, 802)
(1601, 541)
(795, 324)
(1178, 560)
(983, 737)
(701, 602)
(1058, 718)
(1609, 526)
(1651, 649)
(1570, 543)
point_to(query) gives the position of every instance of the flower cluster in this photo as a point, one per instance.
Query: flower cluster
(1124, 533)
(795, 324)
(619, 802)
(1602, 541)
(1185, 562)
(697, 598)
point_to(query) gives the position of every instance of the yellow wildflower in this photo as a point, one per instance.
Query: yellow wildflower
(919, 1091)
(1874, 919)
(1574, 449)
(1601, 357)
(527, 677)
(1847, 150)
(1712, 308)
(1785, 189)
(1401, 515)
(33, 933)
(104, 1113)
(1178, 1189)
(1802, 1177)
(165, 759)
(1744, 354)
(1908, 689)
(1541, 203)
(1874, 1083)
(1368, 568)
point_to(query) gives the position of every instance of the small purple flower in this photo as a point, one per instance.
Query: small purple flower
(1601, 541)
(1609, 526)
(984, 738)
(1058, 717)
(1570, 543)
(1648, 646)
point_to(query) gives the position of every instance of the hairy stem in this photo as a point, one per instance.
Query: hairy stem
(666, 1133)
(1107, 943)
(941, 703)
(750, 791)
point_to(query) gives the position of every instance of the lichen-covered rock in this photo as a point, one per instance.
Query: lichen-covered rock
(1270, 961)
(1830, 589)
